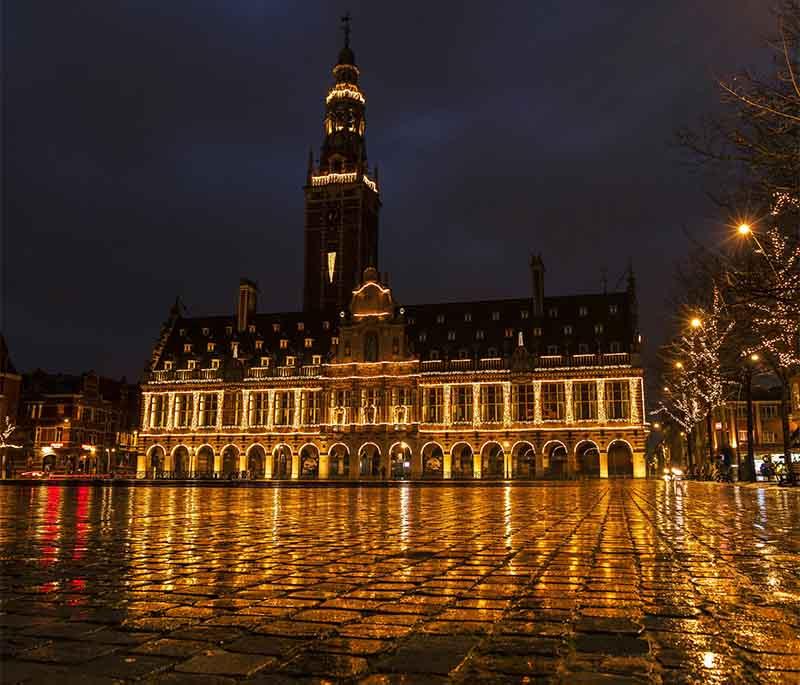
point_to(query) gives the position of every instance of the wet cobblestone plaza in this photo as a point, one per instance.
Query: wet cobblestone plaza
(596, 582)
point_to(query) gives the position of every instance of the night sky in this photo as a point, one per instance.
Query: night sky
(156, 149)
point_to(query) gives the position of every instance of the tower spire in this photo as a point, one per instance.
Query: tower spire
(346, 19)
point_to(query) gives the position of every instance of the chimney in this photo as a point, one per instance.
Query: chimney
(246, 309)
(537, 277)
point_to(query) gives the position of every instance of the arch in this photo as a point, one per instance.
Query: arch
(256, 460)
(432, 460)
(282, 461)
(156, 461)
(204, 462)
(523, 459)
(309, 461)
(338, 461)
(400, 461)
(556, 454)
(369, 460)
(462, 460)
(620, 459)
(230, 462)
(181, 462)
(492, 460)
(587, 459)
(49, 462)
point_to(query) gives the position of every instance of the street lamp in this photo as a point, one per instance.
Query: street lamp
(696, 322)
(746, 230)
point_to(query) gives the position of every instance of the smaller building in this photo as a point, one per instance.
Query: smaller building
(79, 424)
(10, 383)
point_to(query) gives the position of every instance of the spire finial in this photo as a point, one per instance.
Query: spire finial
(346, 19)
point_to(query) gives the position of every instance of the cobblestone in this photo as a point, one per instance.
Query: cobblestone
(593, 582)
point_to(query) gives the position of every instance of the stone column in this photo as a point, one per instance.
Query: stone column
(507, 404)
(242, 461)
(324, 466)
(296, 466)
(447, 465)
(244, 419)
(540, 467)
(476, 405)
(537, 402)
(601, 401)
(639, 465)
(195, 410)
(507, 462)
(170, 410)
(270, 408)
(268, 459)
(220, 405)
(446, 405)
(218, 463)
(476, 465)
(603, 463)
(416, 465)
(298, 400)
(141, 465)
(568, 413)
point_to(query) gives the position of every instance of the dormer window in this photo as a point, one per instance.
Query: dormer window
(598, 328)
(187, 348)
(265, 362)
(411, 320)
(308, 342)
(583, 348)
(228, 330)
(423, 336)
(463, 354)
(537, 332)
(191, 364)
(468, 317)
(509, 332)
(301, 326)
(613, 309)
(552, 349)
(167, 366)
(251, 328)
(583, 311)
(276, 328)
(215, 363)
(553, 312)
(440, 318)
(235, 349)
(567, 330)
(495, 316)
(334, 340)
(206, 331)
(614, 347)
(524, 314)
(284, 344)
(434, 354)
(290, 360)
(182, 332)
(210, 347)
(451, 335)
(326, 325)
(316, 359)
(479, 335)
(259, 345)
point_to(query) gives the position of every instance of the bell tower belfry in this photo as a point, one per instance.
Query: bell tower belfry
(342, 201)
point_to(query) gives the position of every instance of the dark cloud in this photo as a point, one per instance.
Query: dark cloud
(156, 149)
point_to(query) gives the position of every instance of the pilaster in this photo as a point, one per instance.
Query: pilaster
(476, 405)
(537, 402)
(568, 413)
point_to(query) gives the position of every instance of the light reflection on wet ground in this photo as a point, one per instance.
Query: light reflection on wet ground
(553, 582)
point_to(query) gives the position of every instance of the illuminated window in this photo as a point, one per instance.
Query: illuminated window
(276, 328)
(491, 403)
(290, 360)
(524, 314)
(283, 413)
(553, 312)
(567, 330)
(509, 332)
(308, 342)
(316, 359)
(468, 316)
(423, 336)
(552, 349)
(553, 403)
(168, 366)
(215, 363)
(207, 409)
(583, 311)
(522, 402)
(743, 436)
(251, 328)
(232, 408)
(259, 345)
(769, 411)
(614, 347)
(461, 403)
(183, 410)
(187, 347)
(613, 309)
(326, 325)
(311, 412)
(301, 326)
(598, 328)
(334, 340)
(158, 411)
(769, 437)
(479, 335)
(451, 335)
(210, 347)
(206, 332)
(257, 411)
(495, 316)
(191, 364)
(583, 348)
(265, 361)
(584, 401)
(537, 332)
(284, 344)
(433, 405)
(182, 332)
(440, 318)
(617, 400)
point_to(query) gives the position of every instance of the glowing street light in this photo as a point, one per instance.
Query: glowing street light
(754, 357)
(678, 365)
(744, 229)
(696, 322)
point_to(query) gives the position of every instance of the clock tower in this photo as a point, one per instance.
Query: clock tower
(342, 201)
